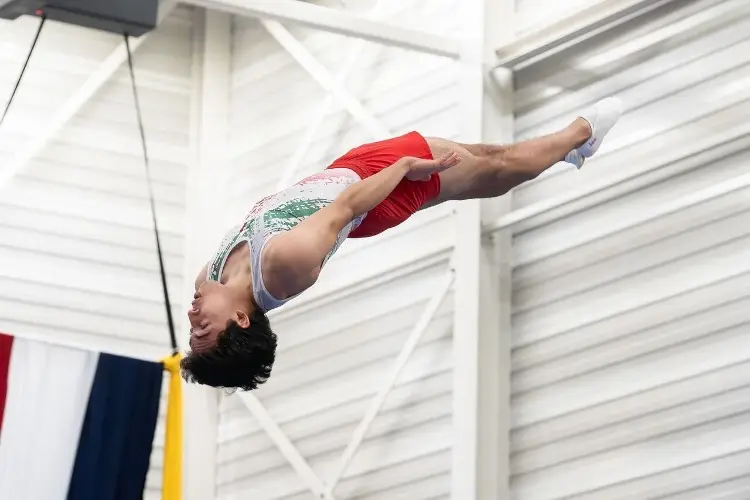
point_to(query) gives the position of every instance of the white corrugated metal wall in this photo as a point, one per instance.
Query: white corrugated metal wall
(78, 261)
(628, 364)
(76, 230)
(338, 341)
(630, 330)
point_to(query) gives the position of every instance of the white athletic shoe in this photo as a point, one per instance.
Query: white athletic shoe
(602, 117)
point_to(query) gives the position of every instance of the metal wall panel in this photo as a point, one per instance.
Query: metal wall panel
(531, 15)
(78, 261)
(630, 338)
(78, 252)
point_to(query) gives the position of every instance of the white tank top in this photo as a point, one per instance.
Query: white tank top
(278, 213)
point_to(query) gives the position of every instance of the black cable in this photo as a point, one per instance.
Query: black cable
(23, 70)
(170, 320)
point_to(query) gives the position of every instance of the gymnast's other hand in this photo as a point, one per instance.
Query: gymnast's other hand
(422, 170)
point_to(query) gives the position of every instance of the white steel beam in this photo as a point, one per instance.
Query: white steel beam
(209, 117)
(165, 9)
(481, 343)
(336, 21)
(308, 137)
(286, 447)
(325, 79)
(49, 128)
(703, 13)
(569, 30)
(377, 403)
(466, 321)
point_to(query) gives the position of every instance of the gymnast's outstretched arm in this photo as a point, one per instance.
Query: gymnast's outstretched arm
(292, 260)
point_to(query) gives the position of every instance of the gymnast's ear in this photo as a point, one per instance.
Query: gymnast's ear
(243, 320)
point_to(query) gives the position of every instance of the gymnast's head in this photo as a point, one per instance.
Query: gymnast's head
(232, 344)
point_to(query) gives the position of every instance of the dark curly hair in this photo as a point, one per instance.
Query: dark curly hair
(241, 359)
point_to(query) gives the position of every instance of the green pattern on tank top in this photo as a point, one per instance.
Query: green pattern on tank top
(289, 214)
(275, 220)
(229, 241)
(279, 213)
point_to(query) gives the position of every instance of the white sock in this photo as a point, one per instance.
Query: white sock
(575, 158)
(602, 117)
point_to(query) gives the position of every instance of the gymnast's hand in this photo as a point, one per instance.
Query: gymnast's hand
(422, 170)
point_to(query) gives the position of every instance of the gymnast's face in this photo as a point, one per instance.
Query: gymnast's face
(213, 307)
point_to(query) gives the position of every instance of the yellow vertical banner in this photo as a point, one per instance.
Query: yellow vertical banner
(172, 478)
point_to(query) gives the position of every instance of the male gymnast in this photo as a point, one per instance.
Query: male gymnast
(284, 242)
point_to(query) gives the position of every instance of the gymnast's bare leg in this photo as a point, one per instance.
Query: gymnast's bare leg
(487, 171)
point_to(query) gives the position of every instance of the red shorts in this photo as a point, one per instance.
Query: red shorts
(408, 197)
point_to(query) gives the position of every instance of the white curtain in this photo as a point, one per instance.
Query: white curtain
(48, 390)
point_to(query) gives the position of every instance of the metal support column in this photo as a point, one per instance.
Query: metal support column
(334, 20)
(210, 106)
(481, 410)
